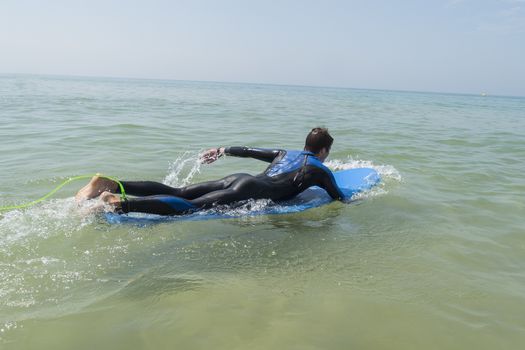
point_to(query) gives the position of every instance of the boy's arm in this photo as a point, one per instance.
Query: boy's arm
(267, 155)
(330, 185)
(264, 154)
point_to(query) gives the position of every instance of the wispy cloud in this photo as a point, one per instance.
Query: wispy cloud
(509, 20)
(454, 3)
(502, 17)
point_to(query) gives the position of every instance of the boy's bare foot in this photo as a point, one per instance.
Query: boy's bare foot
(109, 198)
(95, 187)
(107, 202)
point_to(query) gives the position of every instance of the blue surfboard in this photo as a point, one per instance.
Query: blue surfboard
(350, 181)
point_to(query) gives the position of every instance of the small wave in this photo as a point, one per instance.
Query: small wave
(385, 171)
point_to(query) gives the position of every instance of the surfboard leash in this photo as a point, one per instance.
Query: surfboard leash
(71, 179)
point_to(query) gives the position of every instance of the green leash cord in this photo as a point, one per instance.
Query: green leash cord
(71, 179)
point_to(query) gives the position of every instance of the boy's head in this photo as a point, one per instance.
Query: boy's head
(319, 142)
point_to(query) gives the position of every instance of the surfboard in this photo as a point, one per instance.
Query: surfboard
(351, 182)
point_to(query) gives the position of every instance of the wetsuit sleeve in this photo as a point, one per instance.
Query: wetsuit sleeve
(328, 183)
(266, 155)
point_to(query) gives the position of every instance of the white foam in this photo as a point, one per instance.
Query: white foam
(7, 326)
(43, 260)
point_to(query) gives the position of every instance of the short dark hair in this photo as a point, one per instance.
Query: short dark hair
(318, 139)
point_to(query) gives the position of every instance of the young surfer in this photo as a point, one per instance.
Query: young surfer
(289, 173)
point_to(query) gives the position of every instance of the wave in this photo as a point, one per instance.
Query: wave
(385, 171)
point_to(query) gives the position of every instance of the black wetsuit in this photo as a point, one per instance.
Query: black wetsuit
(289, 173)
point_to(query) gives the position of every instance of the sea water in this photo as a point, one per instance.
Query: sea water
(433, 258)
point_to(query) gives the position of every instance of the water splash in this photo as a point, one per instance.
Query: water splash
(33, 271)
(56, 215)
(182, 170)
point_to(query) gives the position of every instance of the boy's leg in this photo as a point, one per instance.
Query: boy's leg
(244, 187)
(98, 184)
(151, 188)
(160, 205)
(203, 188)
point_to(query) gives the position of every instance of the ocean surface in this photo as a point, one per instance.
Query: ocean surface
(433, 258)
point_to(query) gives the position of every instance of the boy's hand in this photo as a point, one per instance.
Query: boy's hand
(211, 155)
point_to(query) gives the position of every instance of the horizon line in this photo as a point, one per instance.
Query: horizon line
(481, 94)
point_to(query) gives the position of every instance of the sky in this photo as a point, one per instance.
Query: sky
(458, 46)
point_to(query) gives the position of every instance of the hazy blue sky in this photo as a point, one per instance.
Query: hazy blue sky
(451, 46)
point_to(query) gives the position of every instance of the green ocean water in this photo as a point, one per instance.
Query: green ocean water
(434, 258)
